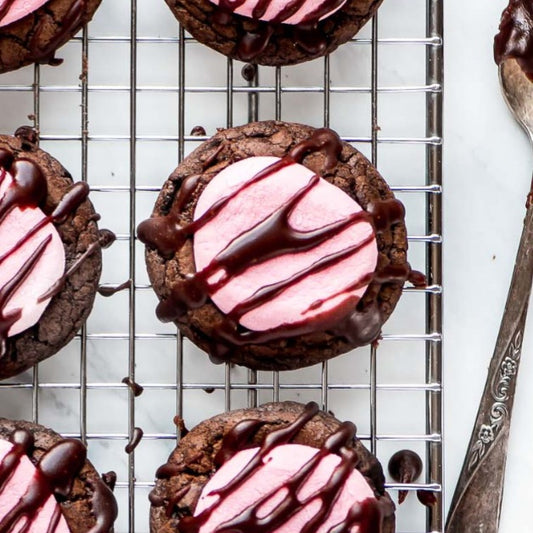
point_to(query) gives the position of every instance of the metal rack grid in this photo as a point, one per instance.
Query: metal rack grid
(64, 392)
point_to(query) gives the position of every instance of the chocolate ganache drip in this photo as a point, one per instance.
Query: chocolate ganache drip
(271, 238)
(306, 33)
(55, 474)
(515, 38)
(5, 7)
(29, 190)
(368, 515)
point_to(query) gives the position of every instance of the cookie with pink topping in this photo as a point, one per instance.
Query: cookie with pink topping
(280, 468)
(47, 483)
(50, 254)
(32, 30)
(276, 246)
(273, 32)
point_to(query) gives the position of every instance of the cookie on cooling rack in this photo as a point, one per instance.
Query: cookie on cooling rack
(47, 482)
(273, 32)
(260, 459)
(276, 246)
(50, 254)
(32, 30)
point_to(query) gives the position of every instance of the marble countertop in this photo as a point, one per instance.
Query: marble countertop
(487, 172)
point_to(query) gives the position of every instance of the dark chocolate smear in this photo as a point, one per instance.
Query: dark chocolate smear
(134, 387)
(110, 479)
(426, 497)
(515, 37)
(28, 137)
(110, 291)
(249, 72)
(136, 438)
(104, 506)
(198, 131)
(405, 466)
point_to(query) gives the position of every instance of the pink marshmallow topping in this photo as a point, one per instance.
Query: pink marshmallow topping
(18, 9)
(274, 10)
(277, 468)
(317, 295)
(49, 268)
(17, 485)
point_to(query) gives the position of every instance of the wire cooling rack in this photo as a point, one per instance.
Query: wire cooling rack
(123, 124)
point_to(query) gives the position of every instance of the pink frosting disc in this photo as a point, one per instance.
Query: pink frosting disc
(17, 486)
(322, 205)
(47, 271)
(275, 7)
(278, 466)
(19, 9)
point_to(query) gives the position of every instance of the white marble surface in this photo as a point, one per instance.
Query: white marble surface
(487, 166)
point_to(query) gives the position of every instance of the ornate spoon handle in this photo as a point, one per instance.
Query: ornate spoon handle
(477, 499)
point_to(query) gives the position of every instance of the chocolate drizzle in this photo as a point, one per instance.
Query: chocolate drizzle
(136, 438)
(104, 506)
(515, 38)
(134, 387)
(368, 515)
(29, 190)
(271, 238)
(110, 291)
(55, 474)
(405, 466)
(306, 33)
(5, 7)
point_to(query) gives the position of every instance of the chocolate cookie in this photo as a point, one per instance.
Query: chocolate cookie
(50, 254)
(273, 33)
(31, 31)
(56, 467)
(263, 263)
(251, 456)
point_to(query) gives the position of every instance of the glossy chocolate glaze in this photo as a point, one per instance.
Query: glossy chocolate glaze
(110, 291)
(198, 131)
(272, 238)
(29, 190)
(136, 438)
(55, 474)
(368, 515)
(249, 72)
(515, 37)
(110, 479)
(426, 497)
(134, 387)
(307, 34)
(405, 466)
(104, 506)
(4, 9)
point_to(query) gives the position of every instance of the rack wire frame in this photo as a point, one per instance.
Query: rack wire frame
(432, 338)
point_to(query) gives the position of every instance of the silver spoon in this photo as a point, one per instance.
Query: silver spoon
(476, 503)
